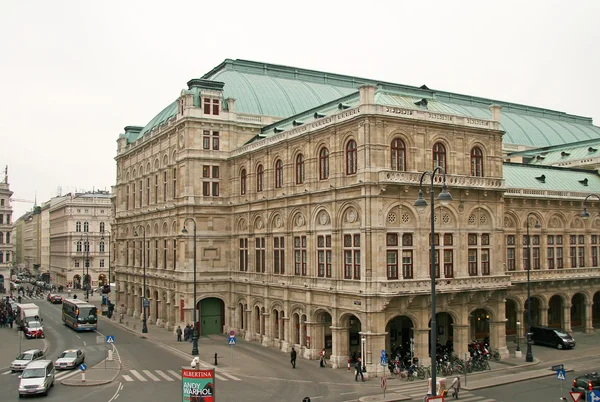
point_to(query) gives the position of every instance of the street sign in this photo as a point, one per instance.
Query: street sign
(146, 303)
(110, 339)
(561, 375)
(575, 396)
(594, 396)
(383, 361)
(231, 333)
(82, 367)
(231, 340)
(384, 383)
(558, 367)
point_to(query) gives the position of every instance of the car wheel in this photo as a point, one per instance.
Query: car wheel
(52, 385)
(559, 346)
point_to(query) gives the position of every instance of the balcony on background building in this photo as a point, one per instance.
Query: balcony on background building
(541, 275)
(453, 181)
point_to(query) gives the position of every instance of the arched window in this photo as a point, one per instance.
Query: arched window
(259, 178)
(439, 155)
(278, 174)
(351, 157)
(78, 247)
(398, 155)
(324, 164)
(300, 169)
(101, 227)
(86, 246)
(101, 246)
(86, 227)
(243, 182)
(78, 227)
(476, 162)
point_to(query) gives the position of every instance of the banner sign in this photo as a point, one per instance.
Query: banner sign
(198, 385)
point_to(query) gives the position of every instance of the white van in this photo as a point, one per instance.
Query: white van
(37, 378)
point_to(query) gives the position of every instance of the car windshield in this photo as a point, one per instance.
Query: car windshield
(87, 314)
(34, 373)
(68, 355)
(25, 356)
(560, 333)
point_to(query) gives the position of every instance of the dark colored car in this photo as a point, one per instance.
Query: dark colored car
(56, 299)
(586, 382)
(555, 337)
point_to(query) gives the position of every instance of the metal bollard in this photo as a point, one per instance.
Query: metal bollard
(216, 363)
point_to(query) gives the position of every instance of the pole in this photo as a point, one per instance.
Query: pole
(433, 341)
(195, 333)
(144, 324)
(529, 354)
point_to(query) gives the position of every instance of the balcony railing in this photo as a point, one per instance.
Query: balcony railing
(413, 178)
(537, 275)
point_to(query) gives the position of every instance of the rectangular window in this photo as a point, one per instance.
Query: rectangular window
(259, 253)
(165, 186)
(215, 172)
(206, 105)
(559, 257)
(550, 258)
(594, 256)
(206, 139)
(174, 183)
(133, 194)
(147, 190)
(76, 263)
(352, 256)
(215, 141)
(1, 219)
(165, 247)
(215, 189)
(206, 188)
(141, 193)
(127, 198)
(300, 255)
(156, 188)
(437, 263)
(510, 259)
(581, 256)
(244, 255)
(407, 264)
(324, 256)
(215, 107)
(392, 264)
(126, 253)
(278, 255)
(156, 254)
(101, 263)
(174, 254)
(206, 171)
(573, 256)
(485, 261)
(473, 262)
(448, 263)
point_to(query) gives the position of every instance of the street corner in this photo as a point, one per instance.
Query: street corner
(102, 373)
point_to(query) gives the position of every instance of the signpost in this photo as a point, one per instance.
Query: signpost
(198, 385)
(383, 362)
(82, 367)
(594, 396)
(110, 340)
(560, 375)
(231, 342)
(146, 303)
(575, 396)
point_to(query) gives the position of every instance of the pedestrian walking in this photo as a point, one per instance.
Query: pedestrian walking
(178, 332)
(186, 333)
(293, 358)
(322, 358)
(359, 371)
(191, 335)
(455, 387)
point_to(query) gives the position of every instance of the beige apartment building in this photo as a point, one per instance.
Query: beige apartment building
(6, 227)
(301, 185)
(79, 235)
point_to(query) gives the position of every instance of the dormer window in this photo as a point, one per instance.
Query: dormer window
(215, 109)
(563, 154)
(206, 105)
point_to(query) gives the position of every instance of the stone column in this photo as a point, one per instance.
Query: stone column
(374, 345)
(461, 339)
(543, 316)
(339, 348)
(498, 338)
(286, 343)
(422, 345)
(566, 318)
(589, 325)
(312, 331)
(267, 338)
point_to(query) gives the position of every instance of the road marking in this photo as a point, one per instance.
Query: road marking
(7, 372)
(152, 376)
(126, 377)
(137, 375)
(163, 375)
(220, 377)
(230, 376)
(84, 344)
(348, 393)
(71, 374)
(175, 373)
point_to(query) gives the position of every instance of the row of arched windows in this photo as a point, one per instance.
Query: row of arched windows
(351, 168)
(86, 227)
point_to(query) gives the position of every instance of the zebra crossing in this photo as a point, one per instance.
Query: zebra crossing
(60, 375)
(168, 375)
(416, 391)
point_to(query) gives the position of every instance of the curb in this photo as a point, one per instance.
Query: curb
(514, 381)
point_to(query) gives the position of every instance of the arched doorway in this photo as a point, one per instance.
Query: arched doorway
(354, 328)
(596, 310)
(76, 282)
(102, 279)
(555, 312)
(535, 312)
(511, 317)
(257, 320)
(400, 334)
(578, 311)
(445, 330)
(212, 316)
(479, 327)
(323, 335)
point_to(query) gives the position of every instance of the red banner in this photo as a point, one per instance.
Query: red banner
(181, 310)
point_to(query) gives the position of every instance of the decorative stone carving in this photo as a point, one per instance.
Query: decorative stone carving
(405, 218)
(471, 220)
(259, 223)
(391, 218)
(277, 221)
(323, 218)
(461, 208)
(351, 216)
(482, 219)
(299, 221)
(445, 219)
(242, 224)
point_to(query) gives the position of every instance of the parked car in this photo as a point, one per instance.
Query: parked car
(555, 337)
(25, 358)
(37, 378)
(586, 382)
(34, 330)
(69, 359)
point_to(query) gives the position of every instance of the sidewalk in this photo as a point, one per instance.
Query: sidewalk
(102, 373)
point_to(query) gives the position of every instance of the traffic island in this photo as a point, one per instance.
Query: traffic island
(102, 373)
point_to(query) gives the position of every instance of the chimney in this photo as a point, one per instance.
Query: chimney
(230, 104)
(495, 109)
(367, 94)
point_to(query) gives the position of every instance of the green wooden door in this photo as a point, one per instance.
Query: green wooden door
(211, 316)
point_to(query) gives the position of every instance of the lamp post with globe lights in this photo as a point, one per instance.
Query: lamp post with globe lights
(195, 332)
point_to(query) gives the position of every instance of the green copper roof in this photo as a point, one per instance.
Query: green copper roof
(561, 155)
(550, 178)
(280, 91)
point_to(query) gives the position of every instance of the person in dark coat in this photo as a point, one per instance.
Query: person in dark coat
(186, 333)
(293, 358)
(178, 332)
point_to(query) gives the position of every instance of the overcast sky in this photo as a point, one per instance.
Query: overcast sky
(74, 73)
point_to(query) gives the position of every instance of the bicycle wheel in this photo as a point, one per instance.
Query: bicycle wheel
(411, 377)
(421, 374)
(497, 356)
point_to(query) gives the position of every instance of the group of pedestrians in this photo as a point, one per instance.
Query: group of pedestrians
(187, 332)
(7, 315)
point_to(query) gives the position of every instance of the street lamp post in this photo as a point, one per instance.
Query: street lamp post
(518, 336)
(444, 198)
(364, 353)
(195, 332)
(144, 326)
(102, 239)
(85, 269)
(529, 353)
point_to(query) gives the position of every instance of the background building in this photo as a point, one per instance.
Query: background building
(6, 226)
(302, 185)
